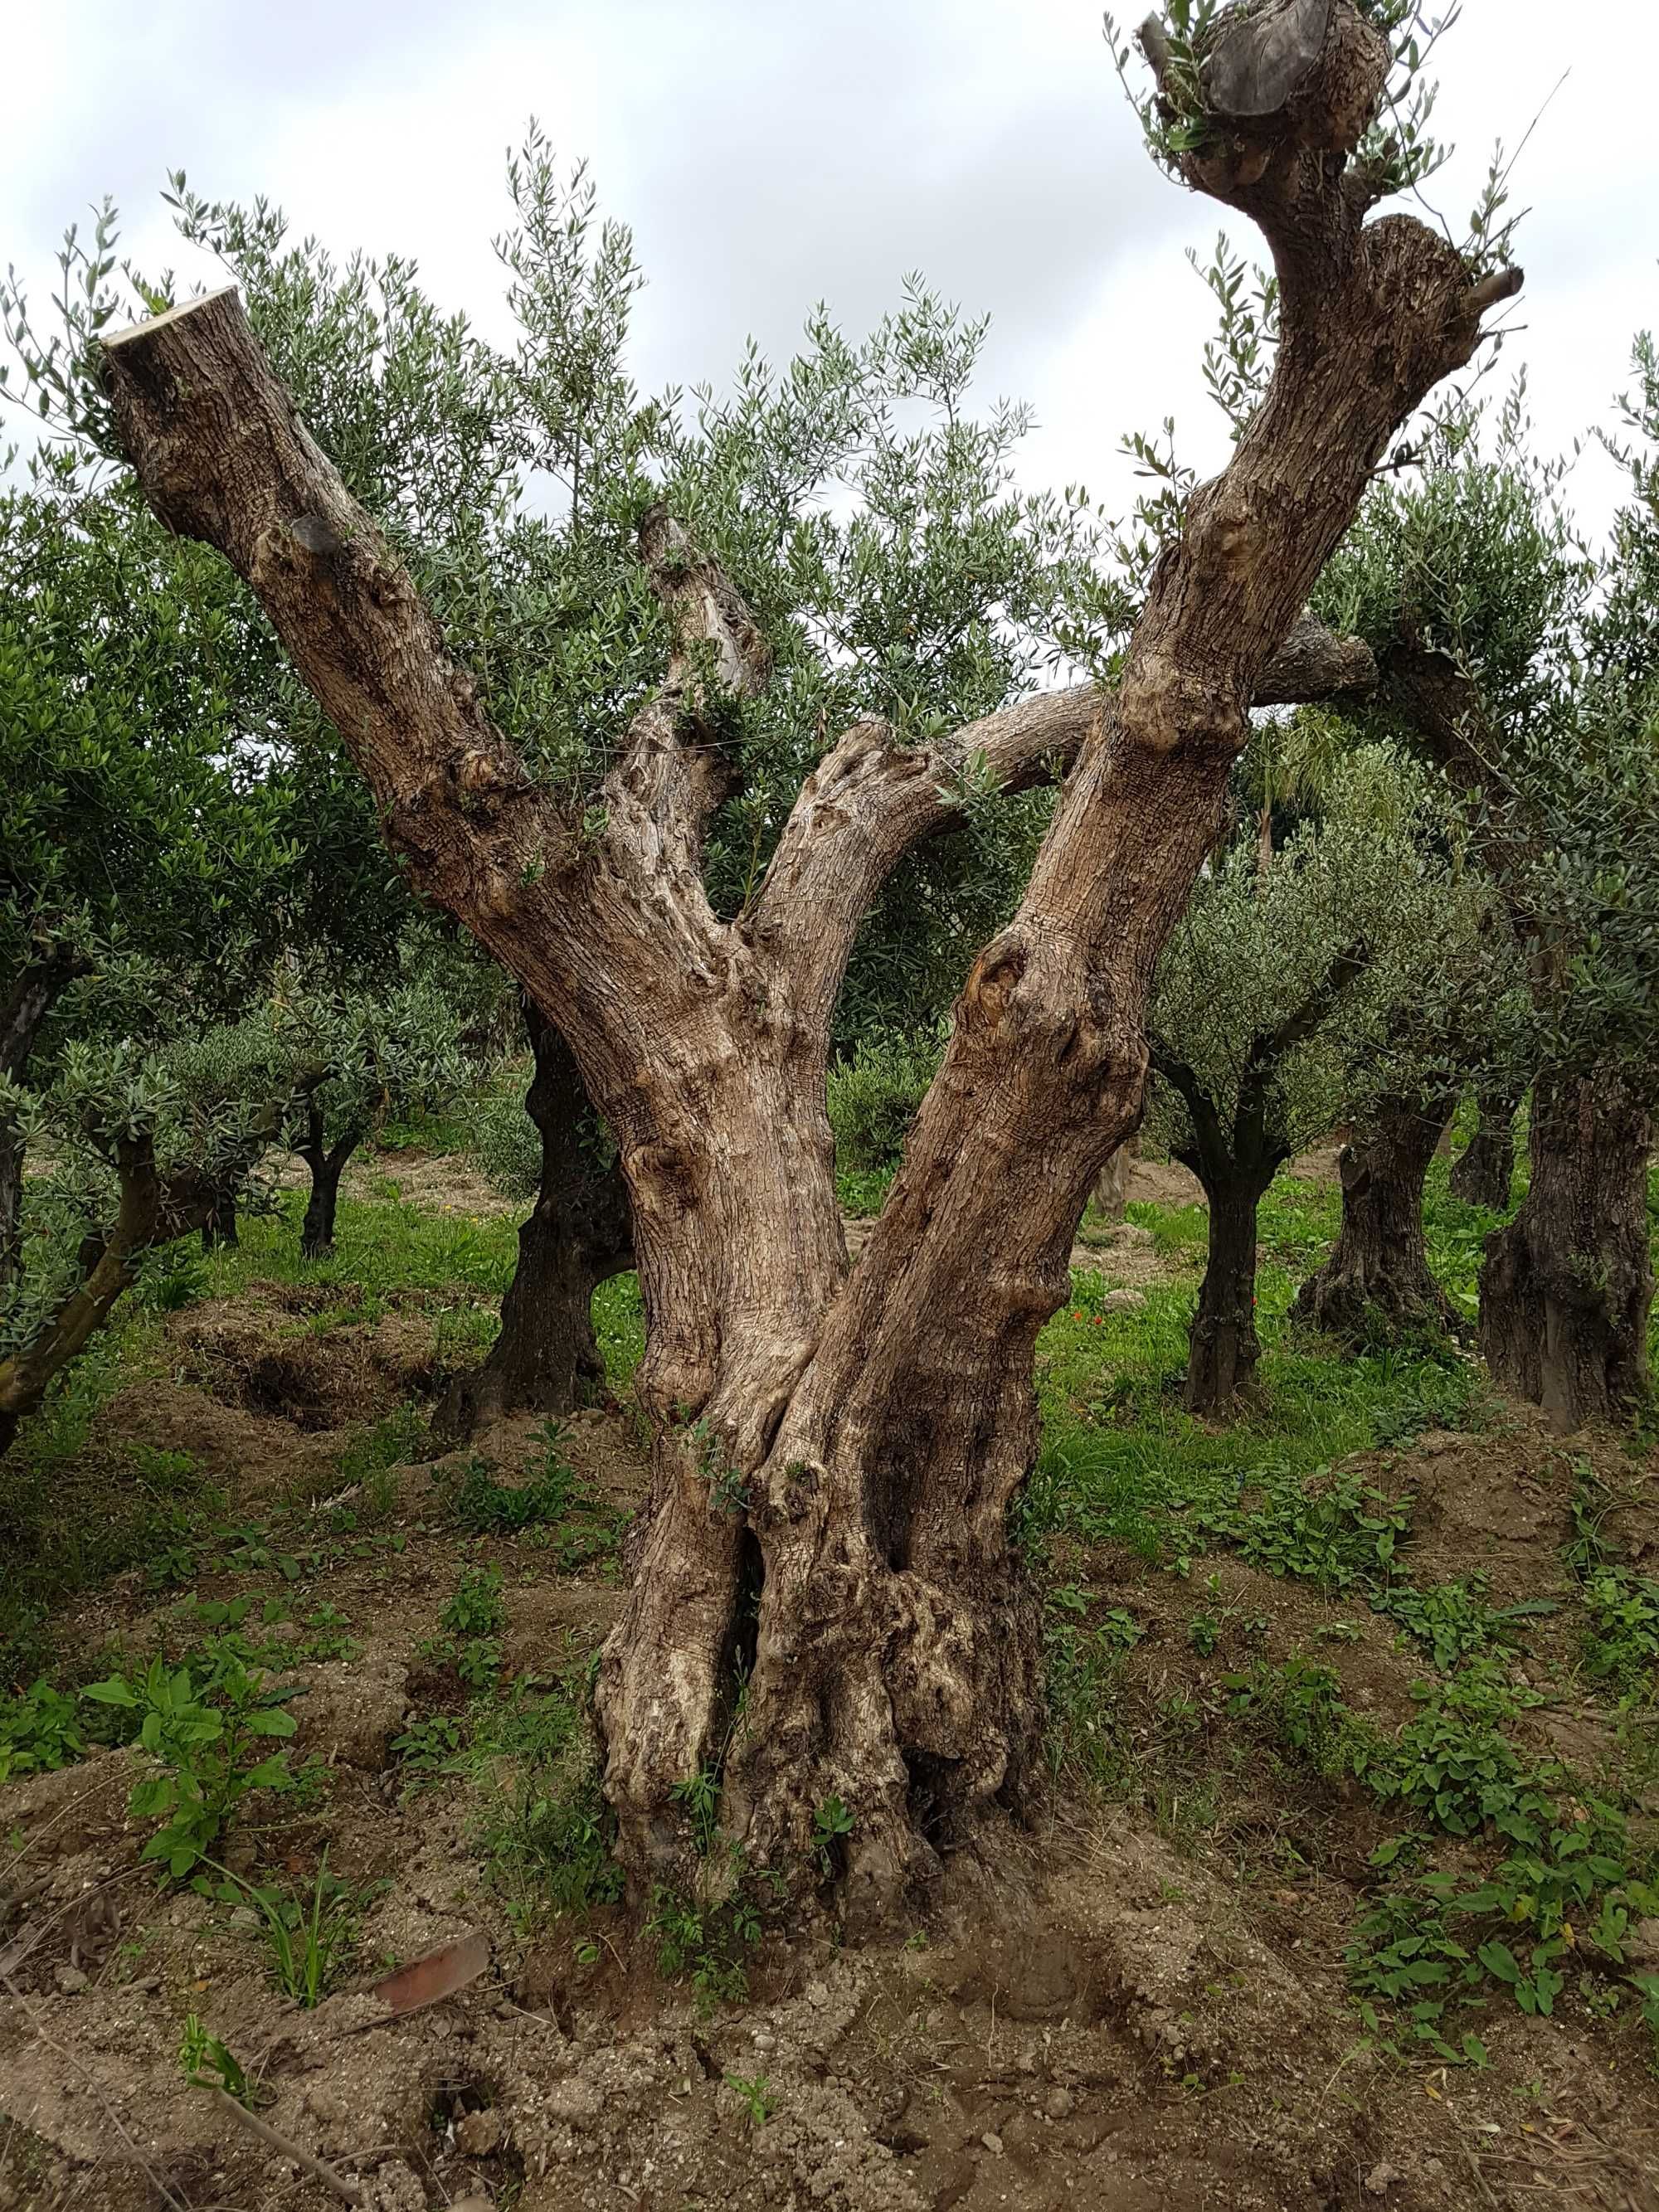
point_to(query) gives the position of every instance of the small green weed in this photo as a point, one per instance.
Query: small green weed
(832, 1823)
(1454, 1620)
(40, 1731)
(487, 1507)
(206, 1732)
(207, 2064)
(705, 1945)
(310, 1939)
(754, 2092)
(1331, 1527)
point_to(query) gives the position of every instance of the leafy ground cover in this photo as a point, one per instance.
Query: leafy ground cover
(1348, 1825)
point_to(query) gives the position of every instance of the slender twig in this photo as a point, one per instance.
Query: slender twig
(330, 2177)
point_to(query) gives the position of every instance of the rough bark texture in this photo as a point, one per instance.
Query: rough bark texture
(327, 1163)
(1567, 1287)
(834, 1456)
(1377, 1282)
(1484, 1172)
(546, 1359)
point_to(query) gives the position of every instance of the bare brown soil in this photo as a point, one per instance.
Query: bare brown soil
(1144, 2008)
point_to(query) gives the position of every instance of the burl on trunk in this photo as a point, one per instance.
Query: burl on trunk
(835, 1457)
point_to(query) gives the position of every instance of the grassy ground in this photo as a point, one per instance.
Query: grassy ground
(1374, 1667)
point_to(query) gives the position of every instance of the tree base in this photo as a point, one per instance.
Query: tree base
(1567, 1287)
(1375, 1288)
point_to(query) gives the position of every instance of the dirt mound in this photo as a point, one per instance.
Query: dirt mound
(253, 1352)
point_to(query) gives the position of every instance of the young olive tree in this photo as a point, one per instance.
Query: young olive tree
(1282, 1006)
(1435, 1022)
(835, 1456)
(382, 1054)
(141, 1144)
(133, 838)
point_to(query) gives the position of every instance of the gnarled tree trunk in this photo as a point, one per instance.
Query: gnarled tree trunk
(1484, 1172)
(1376, 1283)
(1567, 1287)
(546, 1359)
(835, 1457)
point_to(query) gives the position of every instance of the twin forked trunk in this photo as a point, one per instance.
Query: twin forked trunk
(834, 1459)
(1567, 1287)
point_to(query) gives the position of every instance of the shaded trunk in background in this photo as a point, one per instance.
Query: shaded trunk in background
(1484, 1172)
(1376, 1283)
(327, 1163)
(22, 1015)
(1236, 1160)
(1223, 1346)
(546, 1359)
(155, 1208)
(1567, 1287)
(835, 1457)
(1111, 1193)
(220, 1226)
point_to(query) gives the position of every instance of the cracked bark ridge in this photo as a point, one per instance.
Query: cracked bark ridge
(834, 1456)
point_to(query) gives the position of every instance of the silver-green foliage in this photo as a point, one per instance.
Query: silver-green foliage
(1365, 897)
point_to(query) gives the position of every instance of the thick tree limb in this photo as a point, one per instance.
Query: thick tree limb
(871, 797)
(223, 457)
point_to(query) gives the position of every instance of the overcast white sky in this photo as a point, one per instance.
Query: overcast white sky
(768, 154)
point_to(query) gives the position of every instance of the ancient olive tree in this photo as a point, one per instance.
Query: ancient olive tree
(1526, 669)
(835, 1457)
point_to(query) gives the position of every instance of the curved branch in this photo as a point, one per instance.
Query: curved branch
(672, 773)
(1270, 1046)
(871, 799)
